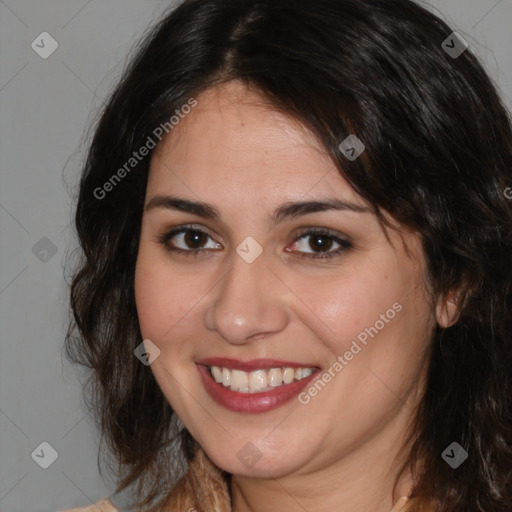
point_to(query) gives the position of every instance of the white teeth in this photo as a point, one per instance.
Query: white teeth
(288, 375)
(217, 373)
(257, 381)
(306, 372)
(226, 377)
(275, 377)
(239, 379)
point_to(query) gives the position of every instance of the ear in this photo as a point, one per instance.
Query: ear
(447, 309)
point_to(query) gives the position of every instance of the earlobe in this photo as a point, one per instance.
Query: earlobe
(447, 309)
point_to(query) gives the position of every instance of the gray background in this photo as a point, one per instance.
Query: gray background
(46, 106)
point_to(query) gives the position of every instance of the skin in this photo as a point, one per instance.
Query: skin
(335, 453)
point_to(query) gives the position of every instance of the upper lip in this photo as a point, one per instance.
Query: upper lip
(253, 364)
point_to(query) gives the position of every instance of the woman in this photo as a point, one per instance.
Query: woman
(296, 289)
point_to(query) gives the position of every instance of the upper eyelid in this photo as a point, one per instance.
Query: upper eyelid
(191, 227)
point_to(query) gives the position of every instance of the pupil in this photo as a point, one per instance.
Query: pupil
(193, 237)
(321, 241)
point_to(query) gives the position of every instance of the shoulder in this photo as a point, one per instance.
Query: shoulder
(104, 505)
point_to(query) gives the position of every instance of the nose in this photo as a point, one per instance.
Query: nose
(250, 301)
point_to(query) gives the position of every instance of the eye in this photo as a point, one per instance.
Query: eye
(191, 239)
(321, 241)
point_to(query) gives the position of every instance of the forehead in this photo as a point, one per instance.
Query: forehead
(233, 139)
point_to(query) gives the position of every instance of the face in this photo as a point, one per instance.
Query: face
(314, 322)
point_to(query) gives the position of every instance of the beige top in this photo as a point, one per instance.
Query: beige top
(105, 505)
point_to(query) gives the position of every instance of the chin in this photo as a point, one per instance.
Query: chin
(250, 462)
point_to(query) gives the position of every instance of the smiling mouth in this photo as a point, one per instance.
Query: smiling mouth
(258, 381)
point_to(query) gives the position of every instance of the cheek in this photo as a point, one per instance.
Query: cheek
(340, 309)
(167, 302)
(156, 298)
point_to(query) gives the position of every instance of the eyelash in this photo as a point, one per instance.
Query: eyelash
(344, 244)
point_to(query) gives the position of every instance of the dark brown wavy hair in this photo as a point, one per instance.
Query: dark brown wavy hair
(438, 158)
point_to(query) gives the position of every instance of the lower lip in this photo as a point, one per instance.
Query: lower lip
(252, 402)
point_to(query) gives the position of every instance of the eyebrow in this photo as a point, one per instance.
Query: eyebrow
(287, 210)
